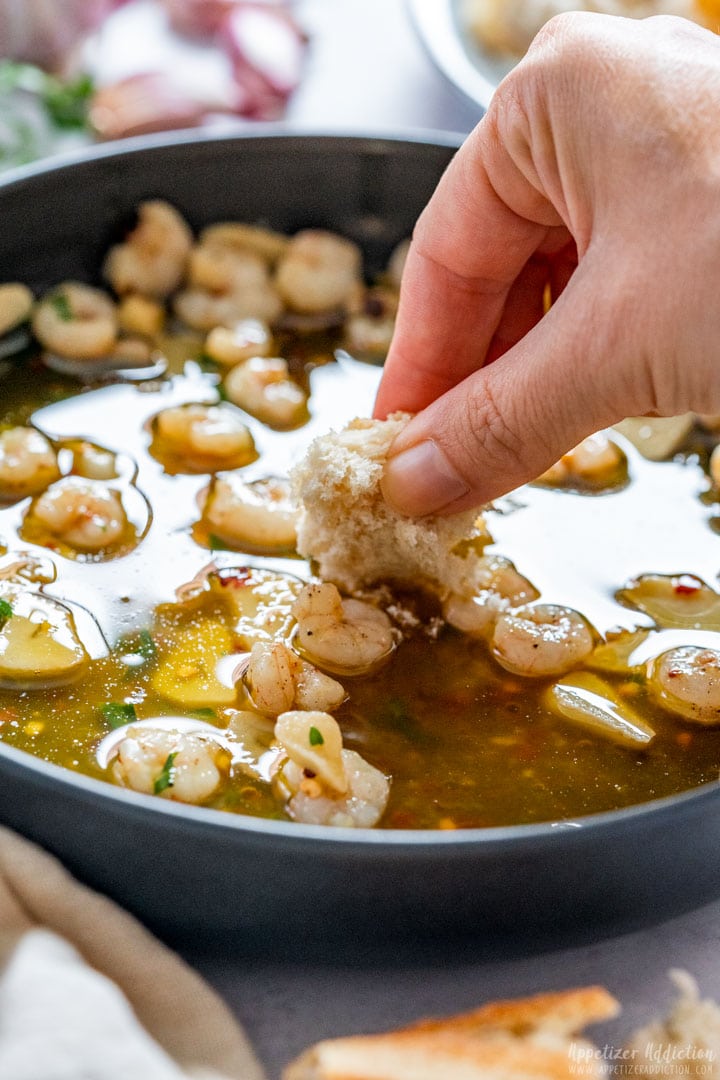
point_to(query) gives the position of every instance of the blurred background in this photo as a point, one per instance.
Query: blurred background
(77, 71)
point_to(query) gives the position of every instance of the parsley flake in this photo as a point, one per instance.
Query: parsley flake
(118, 714)
(166, 778)
(61, 306)
(316, 738)
(5, 611)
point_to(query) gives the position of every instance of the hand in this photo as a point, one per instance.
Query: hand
(596, 174)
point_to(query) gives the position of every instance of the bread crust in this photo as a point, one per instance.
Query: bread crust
(526, 1039)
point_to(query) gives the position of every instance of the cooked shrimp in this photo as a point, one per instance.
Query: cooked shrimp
(94, 462)
(76, 321)
(141, 315)
(596, 460)
(347, 637)
(396, 263)
(203, 310)
(320, 782)
(319, 271)
(260, 516)
(542, 639)
(369, 329)
(262, 387)
(16, 304)
(278, 680)
(28, 463)
(153, 258)
(202, 438)
(686, 681)
(176, 765)
(220, 269)
(500, 587)
(84, 514)
(266, 243)
(231, 345)
(715, 466)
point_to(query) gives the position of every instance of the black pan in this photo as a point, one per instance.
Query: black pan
(196, 874)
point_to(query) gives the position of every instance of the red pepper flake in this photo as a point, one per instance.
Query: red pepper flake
(7, 715)
(233, 577)
(687, 585)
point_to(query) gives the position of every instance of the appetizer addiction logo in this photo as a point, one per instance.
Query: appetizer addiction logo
(654, 1059)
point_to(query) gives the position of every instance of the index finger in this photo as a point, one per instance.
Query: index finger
(470, 244)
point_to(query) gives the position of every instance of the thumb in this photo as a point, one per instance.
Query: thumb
(505, 424)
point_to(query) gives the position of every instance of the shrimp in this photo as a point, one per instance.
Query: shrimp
(203, 310)
(16, 304)
(278, 681)
(141, 315)
(181, 766)
(217, 268)
(94, 462)
(501, 587)
(28, 463)
(153, 258)
(260, 516)
(202, 438)
(319, 271)
(686, 681)
(597, 460)
(266, 243)
(396, 263)
(84, 514)
(226, 285)
(262, 387)
(715, 466)
(319, 781)
(542, 639)
(347, 637)
(231, 345)
(369, 330)
(76, 321)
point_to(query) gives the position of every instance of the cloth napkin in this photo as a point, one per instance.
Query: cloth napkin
(86, 993)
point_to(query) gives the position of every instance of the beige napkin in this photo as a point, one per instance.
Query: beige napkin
(86, 993)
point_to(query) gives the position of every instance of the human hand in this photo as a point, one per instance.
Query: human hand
(600, 151)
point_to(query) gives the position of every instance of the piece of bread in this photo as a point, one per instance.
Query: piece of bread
(528, 1039)
(356, 540)
(686, 1043)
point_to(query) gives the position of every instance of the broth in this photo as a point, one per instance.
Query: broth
(465, 743)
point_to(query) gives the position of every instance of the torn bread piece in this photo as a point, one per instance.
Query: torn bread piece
(356, 540)
(528, 1039)
(686, 1043)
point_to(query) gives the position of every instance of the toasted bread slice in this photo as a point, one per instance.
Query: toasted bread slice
(527, 1039)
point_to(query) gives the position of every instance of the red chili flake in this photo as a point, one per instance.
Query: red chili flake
(7, 714)
(686, 585)
(237, 578)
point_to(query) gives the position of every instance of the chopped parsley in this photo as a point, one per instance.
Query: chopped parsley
(216, 544)
(316, 738)
(146, 645)
(5, 611)
(61, 306)
(203, 714)
(166, 778)
(117, 714)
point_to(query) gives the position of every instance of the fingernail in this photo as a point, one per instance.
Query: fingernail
(421, 480)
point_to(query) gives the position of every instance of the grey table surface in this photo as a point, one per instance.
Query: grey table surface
(367, 71)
